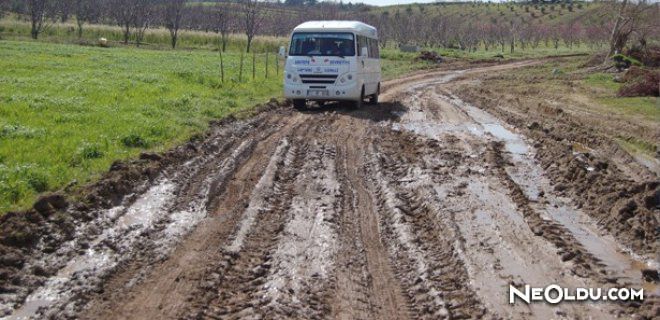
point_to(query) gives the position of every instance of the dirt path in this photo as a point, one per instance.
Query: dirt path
(423, 207)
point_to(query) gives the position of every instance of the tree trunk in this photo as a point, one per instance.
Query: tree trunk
(127, 29)
(35, 30)
(223, 36)
(615, 40)
(80, 29)
(249, 43)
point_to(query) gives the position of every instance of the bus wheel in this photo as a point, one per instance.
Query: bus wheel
(358, 104)
(300, 104)
(373, 99)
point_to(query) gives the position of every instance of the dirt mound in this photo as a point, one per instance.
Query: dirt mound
(430, 56)
(640, 82)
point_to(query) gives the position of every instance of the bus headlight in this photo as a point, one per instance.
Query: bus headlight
(345, 78)
(292, 77)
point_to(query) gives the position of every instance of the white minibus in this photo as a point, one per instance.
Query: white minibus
(332, 61)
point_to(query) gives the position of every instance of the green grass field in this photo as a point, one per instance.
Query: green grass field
(67, 111)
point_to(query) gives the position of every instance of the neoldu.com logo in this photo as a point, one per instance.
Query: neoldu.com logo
(554, 294)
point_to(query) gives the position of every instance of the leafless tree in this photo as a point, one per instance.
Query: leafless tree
(84, 10)
(631, 17)
(144, 15)
(222, 19)
(123, 12)
(173, 15)
(41, 12)
(253, 16)
(4, 7)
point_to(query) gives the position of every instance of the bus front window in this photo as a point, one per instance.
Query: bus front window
(322, 44)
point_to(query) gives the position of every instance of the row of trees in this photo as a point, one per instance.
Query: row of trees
(639, 21)
(613, 22)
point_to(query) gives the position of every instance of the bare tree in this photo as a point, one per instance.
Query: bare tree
(4, 7)
(617, 36)
(222, 19)
(40, 12)
(144, 15)
(253, 16)
(123, 12)
(174, 11)
(632, 17)
(84, 10)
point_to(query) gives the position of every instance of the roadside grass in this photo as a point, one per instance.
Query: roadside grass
(567, 77)
(648, 107)
(395, 63)
(67, 111)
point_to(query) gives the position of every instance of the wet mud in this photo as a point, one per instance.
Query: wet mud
(426, 206)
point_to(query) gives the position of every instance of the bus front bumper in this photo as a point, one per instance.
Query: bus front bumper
(330, 92)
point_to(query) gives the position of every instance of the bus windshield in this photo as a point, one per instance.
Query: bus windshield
(322, 44)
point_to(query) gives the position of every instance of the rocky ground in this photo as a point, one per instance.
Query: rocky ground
(426, 206)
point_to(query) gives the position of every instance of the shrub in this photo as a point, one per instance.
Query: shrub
(134, 141)
(90, 151)
(38, 182)
(622, 61)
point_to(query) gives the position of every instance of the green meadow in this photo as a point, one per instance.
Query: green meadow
(68, 111)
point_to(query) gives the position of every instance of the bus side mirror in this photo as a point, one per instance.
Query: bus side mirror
(364, 52)
(282, 51)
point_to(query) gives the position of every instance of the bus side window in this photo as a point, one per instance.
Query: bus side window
(371, 48)
(362, 43)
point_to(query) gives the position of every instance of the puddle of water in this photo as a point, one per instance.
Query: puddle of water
(512, 142)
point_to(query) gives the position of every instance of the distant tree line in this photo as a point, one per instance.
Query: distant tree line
(614, 23)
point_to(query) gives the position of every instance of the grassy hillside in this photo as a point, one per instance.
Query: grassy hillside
(67, 112)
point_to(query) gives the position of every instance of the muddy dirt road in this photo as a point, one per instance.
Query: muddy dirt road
(423, 207)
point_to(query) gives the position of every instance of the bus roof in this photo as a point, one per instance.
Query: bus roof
(338, 25)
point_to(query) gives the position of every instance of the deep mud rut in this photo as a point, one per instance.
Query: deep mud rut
(423, 207)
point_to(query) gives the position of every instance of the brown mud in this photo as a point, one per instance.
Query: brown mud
(425, 206)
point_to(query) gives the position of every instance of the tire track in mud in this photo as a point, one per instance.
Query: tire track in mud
(422, 247)
(366, 286)
(573, 256)
(586, 265)
(275, 259)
